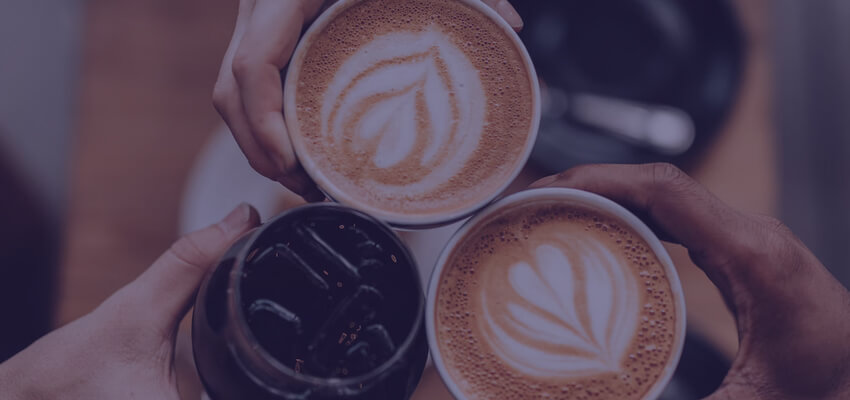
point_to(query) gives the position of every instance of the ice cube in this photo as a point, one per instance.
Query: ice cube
(298, 262)
(380, 341)
(330, 263)
(276, 328)
(343, 328)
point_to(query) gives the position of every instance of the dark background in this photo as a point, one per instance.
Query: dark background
(104, 105)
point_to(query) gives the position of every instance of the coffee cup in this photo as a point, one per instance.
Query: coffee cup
(554, 292)
(418, 112)
(322, 302)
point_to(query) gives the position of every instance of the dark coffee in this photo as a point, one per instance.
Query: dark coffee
(323, 302)
(325, 297)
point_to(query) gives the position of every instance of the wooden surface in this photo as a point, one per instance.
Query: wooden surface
(144, 111)
(144, 106)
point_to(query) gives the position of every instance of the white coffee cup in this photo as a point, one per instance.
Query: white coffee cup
(568, 197)
(398, 219)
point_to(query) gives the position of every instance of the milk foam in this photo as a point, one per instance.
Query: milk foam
(412, 108)
(411, 97)
(548, 300)
(572, 310)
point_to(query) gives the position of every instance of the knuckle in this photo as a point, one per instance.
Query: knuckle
(667, 178)
(775, 226)
(776, 235)
(570, 173)
(243, 64)
(769, 253)
(187, 251)
(574, 173)
(766, 239)
(666, 174)
(260, 123)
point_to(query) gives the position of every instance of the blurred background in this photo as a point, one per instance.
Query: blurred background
(107, 127)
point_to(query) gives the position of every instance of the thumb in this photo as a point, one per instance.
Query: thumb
(162, 294)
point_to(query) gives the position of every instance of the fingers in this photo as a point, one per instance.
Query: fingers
(685, 211)
(679, 210)
(265, 49)
(749, 258)
(161, 295)
(781, 295)
(228, 101)
(249, 93)
(507, 11)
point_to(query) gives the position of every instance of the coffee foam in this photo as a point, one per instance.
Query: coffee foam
(419, 106)
(406, 114)
(554, 301)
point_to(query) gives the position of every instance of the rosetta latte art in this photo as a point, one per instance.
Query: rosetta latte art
(409, 107)
(571, 309)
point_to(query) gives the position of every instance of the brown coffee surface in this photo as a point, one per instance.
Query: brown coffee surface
(414, 106)
(554, 301)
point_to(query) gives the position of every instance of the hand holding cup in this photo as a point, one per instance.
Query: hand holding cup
(793, 316)
(248, 91)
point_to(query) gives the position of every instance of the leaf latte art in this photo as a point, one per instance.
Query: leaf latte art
(413, 110)
(400, 110)
(544, 300)
(572, 309)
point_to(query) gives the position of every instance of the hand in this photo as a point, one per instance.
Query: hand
(248, 93)
(793, 317)
(124, 349)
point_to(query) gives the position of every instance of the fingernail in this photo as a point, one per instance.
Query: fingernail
(236, 220)
(507, 11)
(544, 181)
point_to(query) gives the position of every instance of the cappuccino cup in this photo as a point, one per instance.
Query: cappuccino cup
(419, 112)
(559, 294)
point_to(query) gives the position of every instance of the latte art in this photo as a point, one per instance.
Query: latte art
(572, 310)
(555, 301)
(410, 107)
(416, 111)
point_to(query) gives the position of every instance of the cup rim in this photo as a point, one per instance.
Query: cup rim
(242, 328)
(395, 218)
(576, 197)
